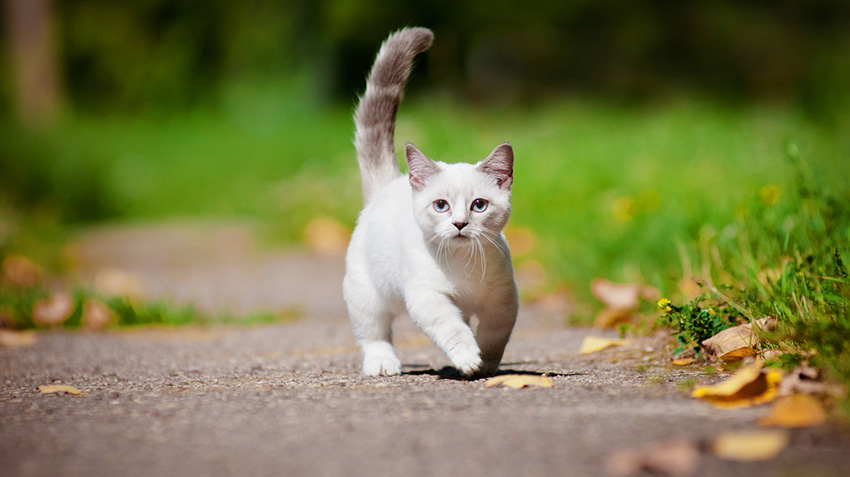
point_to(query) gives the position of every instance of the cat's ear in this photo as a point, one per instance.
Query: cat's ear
(500, 165)
(421, 168)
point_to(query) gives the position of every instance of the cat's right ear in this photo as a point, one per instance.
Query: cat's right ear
(421, 168)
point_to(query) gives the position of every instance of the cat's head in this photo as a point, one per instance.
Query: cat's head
(459, 202)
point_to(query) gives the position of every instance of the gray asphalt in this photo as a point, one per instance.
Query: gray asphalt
(289, 400)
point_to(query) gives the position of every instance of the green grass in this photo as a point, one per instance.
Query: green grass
(625, 192)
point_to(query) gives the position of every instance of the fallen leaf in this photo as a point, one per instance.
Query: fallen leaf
(96, 315)
(326, 236)
(676, 457)
(16, 339)
(736, 337)
(53, 311)
(738, 354)
(611, 317)
(683, 361)
(20, 271)
(517, 381)
(750, 385)
(803, 380)
(620, 295)
(750, 445)
(797, 410)
(59, 388)
(592, 344)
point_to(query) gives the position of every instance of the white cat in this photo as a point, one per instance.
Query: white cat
(429, 243)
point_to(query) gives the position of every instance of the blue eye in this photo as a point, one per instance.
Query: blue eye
(441, 206)
(479, 205)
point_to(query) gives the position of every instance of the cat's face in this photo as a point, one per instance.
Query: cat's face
(458, 204)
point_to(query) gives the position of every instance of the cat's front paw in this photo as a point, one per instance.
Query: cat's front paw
(381, 366)
(467, 362)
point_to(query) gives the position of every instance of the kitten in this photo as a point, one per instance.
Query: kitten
(429, 243)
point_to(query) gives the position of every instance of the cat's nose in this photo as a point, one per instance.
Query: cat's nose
(460, 225)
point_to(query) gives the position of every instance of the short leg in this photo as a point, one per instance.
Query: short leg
(442, 321)
(493, 333)
(372, 324)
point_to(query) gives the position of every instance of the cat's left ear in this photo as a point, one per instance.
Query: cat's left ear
(500, 165)
(421, 168)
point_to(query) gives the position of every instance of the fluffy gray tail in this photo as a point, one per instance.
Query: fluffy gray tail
(374, 117)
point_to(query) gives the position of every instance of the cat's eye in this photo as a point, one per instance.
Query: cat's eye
(441, 206)
(479, 205)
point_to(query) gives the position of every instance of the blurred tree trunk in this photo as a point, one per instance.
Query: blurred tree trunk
(33, 55)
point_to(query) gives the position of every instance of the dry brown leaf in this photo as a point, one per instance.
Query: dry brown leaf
(803, 379)
(750, 385)
(16, 339)
(517, 381)
(621, 295)
(683, 361)
(611, 317)
(96, 315)
(676, 457)
(59, 388)
(53, 311)
(592, 344)
(750, 445)
(20, 271)
(797, 410)
(737, 337)
(326, 236)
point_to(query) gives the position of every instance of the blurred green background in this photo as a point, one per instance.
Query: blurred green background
(639, 126)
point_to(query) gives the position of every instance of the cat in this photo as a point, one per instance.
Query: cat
(429, 243)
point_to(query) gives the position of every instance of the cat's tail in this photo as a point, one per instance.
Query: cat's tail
(374, 118)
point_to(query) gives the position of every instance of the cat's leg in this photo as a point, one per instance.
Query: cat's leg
(493, 332)
(442, 321)
(372, 323)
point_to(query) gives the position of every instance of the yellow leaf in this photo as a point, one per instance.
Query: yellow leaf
(750, 445)
(59, 388)
(797, 410)
(738, 354)
(683, 361)
(517, 381)
(748, 386)
(592, 344)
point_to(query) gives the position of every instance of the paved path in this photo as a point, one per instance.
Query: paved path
(289, 400)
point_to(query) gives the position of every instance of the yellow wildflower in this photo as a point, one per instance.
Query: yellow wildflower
(664, 304)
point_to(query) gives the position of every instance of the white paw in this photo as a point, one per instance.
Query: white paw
(379, 359)
(467, 361)
(381, 366)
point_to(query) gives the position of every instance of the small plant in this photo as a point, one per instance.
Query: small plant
(692, 323)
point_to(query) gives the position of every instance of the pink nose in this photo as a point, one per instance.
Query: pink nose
(460, 225)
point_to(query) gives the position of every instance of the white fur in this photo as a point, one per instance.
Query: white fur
(405, 256)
